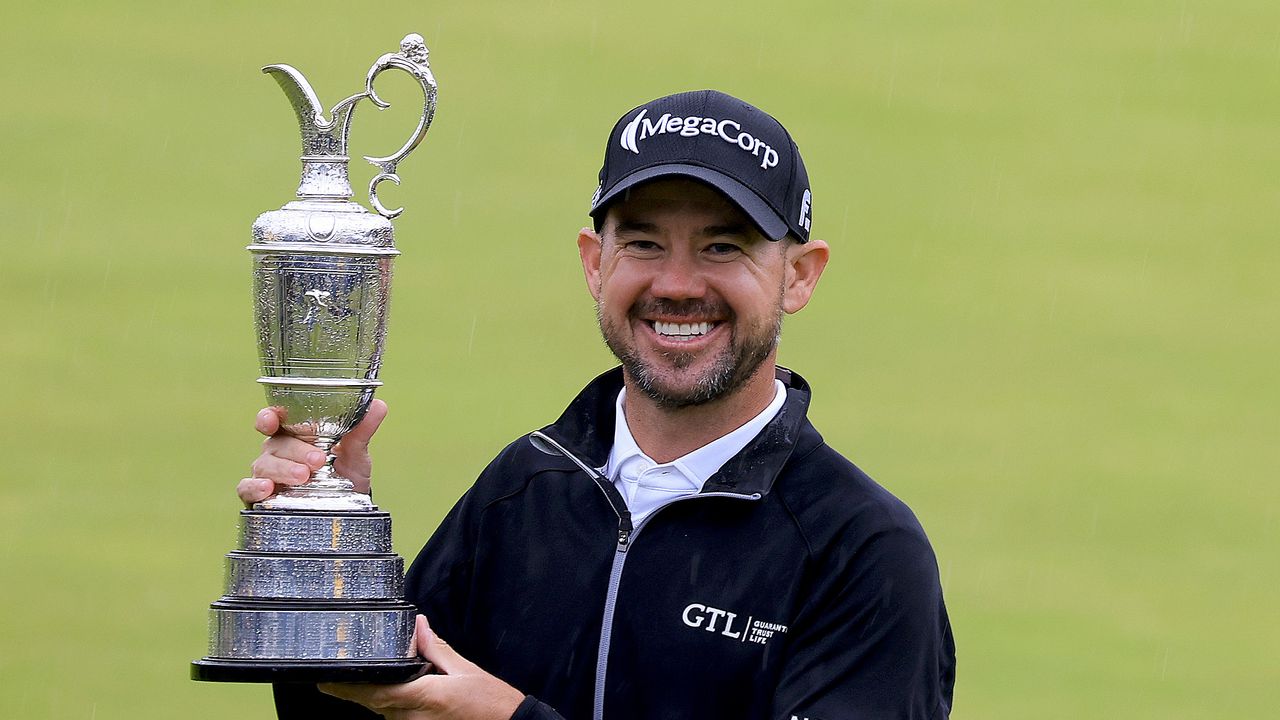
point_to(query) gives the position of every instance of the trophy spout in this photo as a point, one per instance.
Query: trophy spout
(324, 140)
(301, 96)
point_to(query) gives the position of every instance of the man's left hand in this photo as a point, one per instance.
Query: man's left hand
(459, 691)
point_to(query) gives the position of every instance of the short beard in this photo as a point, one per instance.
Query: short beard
(731, 370)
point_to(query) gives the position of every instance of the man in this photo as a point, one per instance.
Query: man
(681, 543)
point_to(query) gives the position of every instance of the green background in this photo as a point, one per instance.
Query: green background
(1049, 323)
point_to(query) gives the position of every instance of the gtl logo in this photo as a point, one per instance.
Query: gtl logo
(752, 632)
(697, 614)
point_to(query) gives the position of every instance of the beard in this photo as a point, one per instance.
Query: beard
(730, 368)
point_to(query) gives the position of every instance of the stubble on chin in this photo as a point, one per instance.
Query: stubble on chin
(731, 369)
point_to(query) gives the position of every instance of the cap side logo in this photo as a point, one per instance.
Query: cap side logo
(806, 210)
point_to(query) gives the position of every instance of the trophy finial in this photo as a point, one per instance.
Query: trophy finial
(415, 48)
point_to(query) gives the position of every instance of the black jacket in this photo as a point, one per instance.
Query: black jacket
(791, 587)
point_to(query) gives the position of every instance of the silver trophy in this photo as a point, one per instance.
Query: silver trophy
(314, 592)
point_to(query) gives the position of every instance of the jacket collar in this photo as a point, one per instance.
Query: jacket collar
(586, 429)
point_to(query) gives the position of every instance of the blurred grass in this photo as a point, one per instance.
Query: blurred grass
(1050, 323)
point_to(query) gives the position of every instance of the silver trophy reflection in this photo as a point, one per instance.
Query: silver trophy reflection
(314, 592)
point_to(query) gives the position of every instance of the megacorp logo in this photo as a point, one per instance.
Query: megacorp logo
(728, 130)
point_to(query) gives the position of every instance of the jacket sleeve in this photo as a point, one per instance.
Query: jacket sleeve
(438, 585)
(875, 643)
(532, 709)
(305, 702)
(439, 580)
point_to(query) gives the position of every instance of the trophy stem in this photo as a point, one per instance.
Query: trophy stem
(326, 491)
(327, 478)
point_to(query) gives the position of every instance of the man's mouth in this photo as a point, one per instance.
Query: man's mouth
(682, 331)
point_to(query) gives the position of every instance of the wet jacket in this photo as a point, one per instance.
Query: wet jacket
(791, 587)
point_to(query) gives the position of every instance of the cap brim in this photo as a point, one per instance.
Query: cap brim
(765, 218)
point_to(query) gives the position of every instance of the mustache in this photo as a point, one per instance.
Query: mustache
(680, 308)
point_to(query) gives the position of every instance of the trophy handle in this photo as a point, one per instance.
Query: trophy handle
(412, 58)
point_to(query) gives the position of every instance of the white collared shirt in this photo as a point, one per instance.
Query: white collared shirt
(647, 485)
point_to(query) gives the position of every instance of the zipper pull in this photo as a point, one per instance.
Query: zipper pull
(624, 530)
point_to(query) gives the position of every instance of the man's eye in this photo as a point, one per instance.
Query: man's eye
(722, 249)
(644, 246)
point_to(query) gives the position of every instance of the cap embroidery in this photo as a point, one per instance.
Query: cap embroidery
(806, 218)
(729, 131)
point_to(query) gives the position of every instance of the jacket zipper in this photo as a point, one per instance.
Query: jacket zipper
(626, 536)
(625, 541)
(551, 447)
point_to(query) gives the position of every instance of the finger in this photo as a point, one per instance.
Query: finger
(252, 490)
(422, 634)
(268, 420)
(438, 652)
(291, 448)
(280, 471)
(360, 435)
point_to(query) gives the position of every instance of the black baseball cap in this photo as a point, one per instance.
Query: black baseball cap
(726, 143)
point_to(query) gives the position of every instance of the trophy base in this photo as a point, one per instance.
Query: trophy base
(308, 671)
(312, 597)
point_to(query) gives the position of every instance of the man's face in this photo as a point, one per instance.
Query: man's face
(689, 294)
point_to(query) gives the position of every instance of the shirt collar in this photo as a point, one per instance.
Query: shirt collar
(585, 429)
(697, 466)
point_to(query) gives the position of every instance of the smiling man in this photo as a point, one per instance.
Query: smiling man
(681, 543)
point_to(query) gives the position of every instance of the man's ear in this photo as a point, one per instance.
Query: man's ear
(589, 250)
(805, 263)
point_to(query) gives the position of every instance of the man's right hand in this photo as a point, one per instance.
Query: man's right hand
(286, 460)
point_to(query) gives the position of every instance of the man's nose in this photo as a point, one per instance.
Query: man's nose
(679, 278)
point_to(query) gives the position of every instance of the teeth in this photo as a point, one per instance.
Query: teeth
(681, 329)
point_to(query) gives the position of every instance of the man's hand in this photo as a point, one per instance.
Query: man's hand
(286, 460)
(461, 691)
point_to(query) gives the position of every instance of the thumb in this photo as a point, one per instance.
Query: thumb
(437, 652)
(363, 432)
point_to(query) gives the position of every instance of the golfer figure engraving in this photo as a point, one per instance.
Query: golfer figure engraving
(314, 593)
